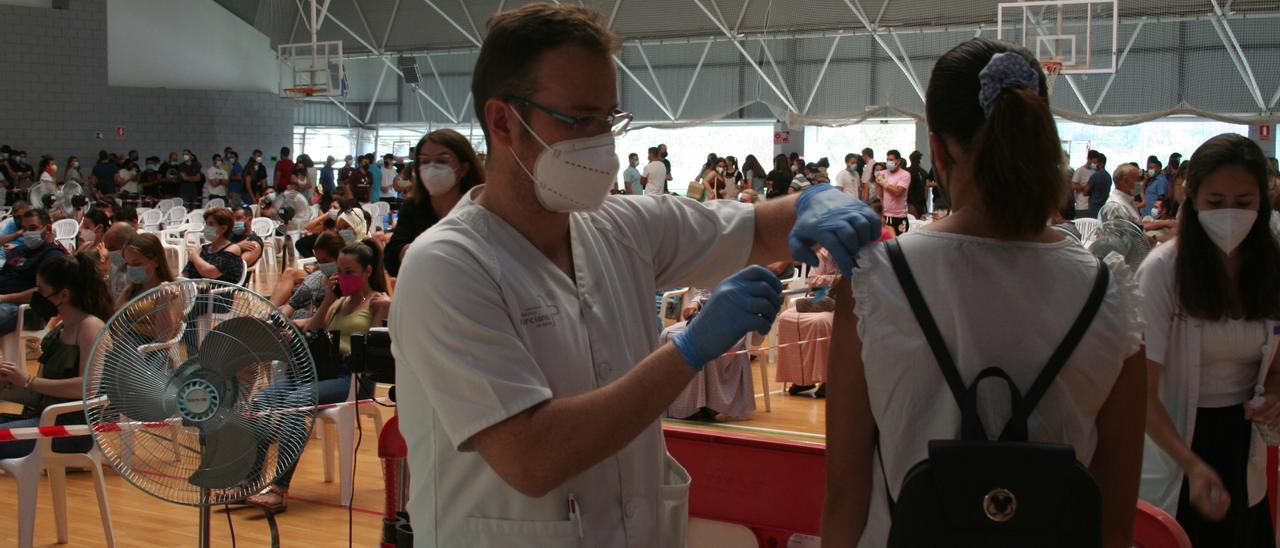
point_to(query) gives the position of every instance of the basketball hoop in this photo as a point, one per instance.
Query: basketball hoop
(1052, 68)
(296, 95)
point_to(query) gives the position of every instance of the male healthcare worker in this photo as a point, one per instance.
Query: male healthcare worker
(529, 374)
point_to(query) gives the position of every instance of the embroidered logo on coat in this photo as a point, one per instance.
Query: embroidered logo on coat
(542, 315)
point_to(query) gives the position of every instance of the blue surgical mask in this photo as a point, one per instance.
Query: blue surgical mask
(333, 213)
(348, 235)
(891, 165)
(1151, 173)
(238, 228)
(209, 233)
(33, 238)
(117, 258)
(137, 274)
(328, 269)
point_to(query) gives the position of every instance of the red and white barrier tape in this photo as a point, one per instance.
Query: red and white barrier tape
(63, 431)
(38, 432)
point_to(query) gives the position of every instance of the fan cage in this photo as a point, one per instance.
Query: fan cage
(169, 329)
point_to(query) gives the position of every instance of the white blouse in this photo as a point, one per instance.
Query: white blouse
(997, 303)
(1230, 354)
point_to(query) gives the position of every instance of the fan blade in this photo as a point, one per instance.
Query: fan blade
(137, 383)
(239, 342)
(229, 456)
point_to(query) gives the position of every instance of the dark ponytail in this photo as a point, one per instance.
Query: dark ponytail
(368, 253)
(1015, 154)
(80, 275)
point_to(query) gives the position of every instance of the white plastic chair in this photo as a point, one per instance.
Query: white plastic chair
(65, 232)
(151, 219)
(195, 216)
(175, 216)
(14, 350)
(1087, 227)
(266, 229)
(373, 214)
(216, 202)
(26, 470)
(176, 256)
(343, 420)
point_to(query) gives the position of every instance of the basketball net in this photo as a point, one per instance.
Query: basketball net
(1051, 71)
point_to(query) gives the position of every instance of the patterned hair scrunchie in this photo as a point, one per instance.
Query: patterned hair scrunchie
(1004, 71)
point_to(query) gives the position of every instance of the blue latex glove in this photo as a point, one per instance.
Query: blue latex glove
(744, 302)
(834, 220)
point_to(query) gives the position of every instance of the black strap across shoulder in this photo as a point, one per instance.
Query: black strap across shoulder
(966, 396)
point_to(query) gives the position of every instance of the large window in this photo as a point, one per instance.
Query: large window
(687, 148)
(833, 143)
(1135, 143)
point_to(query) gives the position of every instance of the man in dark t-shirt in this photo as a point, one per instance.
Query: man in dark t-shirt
(103, 176)
(190, 179)
(1099, 187)
(18, 277)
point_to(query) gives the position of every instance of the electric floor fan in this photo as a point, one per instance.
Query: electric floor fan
(201, 394)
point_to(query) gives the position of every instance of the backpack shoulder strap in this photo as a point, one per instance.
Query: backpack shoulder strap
(1022, 411)
(925, 319)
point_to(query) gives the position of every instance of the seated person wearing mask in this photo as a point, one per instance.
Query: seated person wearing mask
(297, 292)
(92, 227)
(18, 277)
(355, 300)
(219, 259)
(72, 289)
(242, 235)
(115, 240)
(11, 230)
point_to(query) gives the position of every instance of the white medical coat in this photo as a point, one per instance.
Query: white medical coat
(485, 326)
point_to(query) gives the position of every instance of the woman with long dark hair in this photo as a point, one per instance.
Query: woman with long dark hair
(754, 172)
(780, 177)
(444, 170)
(1212, 312)
(996, 147)
(355, 300)
(74, 290)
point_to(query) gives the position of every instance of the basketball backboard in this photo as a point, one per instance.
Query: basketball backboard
(311, 69)
(1081, 34)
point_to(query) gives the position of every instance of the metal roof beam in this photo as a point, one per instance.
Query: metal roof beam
(783, 97)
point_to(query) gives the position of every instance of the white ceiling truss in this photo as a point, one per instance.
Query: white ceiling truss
(798, 72)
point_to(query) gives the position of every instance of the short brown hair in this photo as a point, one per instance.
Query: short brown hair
(517, 38)
(220, 215)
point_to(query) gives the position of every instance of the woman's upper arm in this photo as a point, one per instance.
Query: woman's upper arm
(89, 329)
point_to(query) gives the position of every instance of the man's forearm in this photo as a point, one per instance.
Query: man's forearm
(542, 447)
(774, 220)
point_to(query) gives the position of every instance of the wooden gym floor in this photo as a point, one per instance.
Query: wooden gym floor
(315, 516)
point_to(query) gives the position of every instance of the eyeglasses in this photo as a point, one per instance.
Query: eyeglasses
(616, 122)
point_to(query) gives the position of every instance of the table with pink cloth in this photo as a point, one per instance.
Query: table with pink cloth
(803, 364)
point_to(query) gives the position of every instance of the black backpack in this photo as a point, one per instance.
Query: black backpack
(1006, 492)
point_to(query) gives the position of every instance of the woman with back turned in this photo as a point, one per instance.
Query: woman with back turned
(988, 273)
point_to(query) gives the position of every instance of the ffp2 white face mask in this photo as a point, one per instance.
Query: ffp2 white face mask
(574, 174)
(1228, 227)
(438, 178)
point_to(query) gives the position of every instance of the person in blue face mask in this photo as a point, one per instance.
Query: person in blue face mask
(145, 267)
(219, 259)
(242, 234)
(298, 291)
(18, 277)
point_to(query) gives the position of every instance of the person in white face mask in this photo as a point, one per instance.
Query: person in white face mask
(1212, 310)
(445, 167)
(523, 325)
